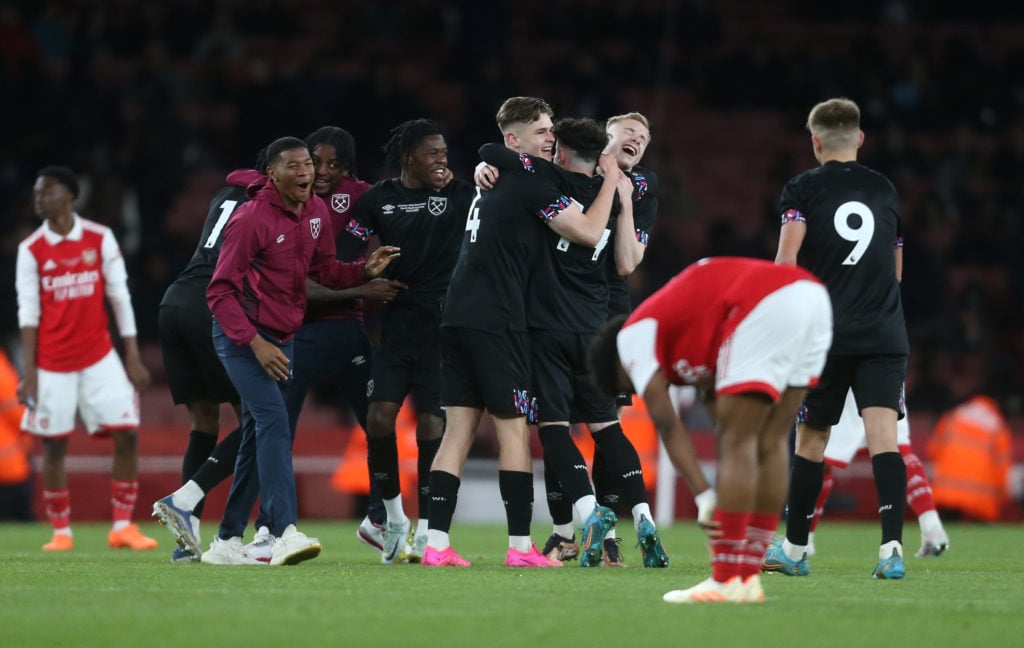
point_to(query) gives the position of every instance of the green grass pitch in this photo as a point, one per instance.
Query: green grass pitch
(96, 596)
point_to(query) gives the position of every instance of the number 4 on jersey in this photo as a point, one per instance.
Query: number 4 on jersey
(473, 220)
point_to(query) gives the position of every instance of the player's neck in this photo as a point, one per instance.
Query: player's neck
(838, 156)
(61, 223)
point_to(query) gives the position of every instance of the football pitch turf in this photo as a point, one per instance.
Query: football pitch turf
(95, 596)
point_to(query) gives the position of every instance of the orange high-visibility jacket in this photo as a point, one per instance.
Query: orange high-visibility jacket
(14, 444)
(971, 454)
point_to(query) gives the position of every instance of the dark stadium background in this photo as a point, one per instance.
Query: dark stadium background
(152, 102)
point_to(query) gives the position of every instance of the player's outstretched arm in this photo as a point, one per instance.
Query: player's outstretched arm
(673, 434)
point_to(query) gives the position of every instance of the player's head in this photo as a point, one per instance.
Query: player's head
(290, 168)
(578, 142)
(835, 129)
(334, 157)
(418, 148)
(525, 124)
(56, 187)
(628, 137)
(605, 366)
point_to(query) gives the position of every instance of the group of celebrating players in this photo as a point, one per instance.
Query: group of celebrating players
(507, 296)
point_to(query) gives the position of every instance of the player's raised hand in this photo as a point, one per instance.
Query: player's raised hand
(608, 167)
(379, 260)
(485, 176)
(625, 189)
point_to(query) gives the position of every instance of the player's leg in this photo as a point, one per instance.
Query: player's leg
(108, 403)
(463, 401)
(387, 389)
(552, 385)
(740, 419)
(821, 409)
(515, 483)
(56, 495)
(934, 539)
(56, 409)
(772, 484)
(879, 391)
(430, 424)
(845, 439)
(196, 378)
(352, 377)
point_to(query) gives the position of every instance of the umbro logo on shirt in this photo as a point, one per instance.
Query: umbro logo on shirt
(280, 239)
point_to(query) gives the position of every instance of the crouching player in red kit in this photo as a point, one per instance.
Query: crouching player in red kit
(752, 336)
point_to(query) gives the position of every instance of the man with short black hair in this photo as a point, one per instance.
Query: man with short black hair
(195, 374)
(258, 297)
(65, 269)
(423, 211)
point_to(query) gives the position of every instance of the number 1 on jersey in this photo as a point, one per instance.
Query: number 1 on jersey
(226, 208)
(862, 235)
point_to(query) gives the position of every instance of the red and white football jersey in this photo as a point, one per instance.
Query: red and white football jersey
(61, 282)
(682, 326)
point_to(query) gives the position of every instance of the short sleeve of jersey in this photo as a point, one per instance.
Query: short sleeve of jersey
(363, 222)
(544, 199)
(791, 203)
(645, 203)
(637, 345)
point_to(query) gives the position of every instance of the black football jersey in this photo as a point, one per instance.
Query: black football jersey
(853, 227)
(189, 287)
(504, 237)
(645, 215)
(428, 226)
(568, 290)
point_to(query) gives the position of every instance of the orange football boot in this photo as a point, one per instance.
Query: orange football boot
(130, 538)
(60, 542)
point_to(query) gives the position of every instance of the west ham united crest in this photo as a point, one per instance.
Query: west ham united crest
(314, 227)
(436, 205)
(340, 202)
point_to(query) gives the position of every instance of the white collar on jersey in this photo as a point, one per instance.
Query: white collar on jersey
(53, 238)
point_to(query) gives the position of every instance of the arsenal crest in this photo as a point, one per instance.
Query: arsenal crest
(314, 227)
(340, 202)
(436, 205)
(89, 256)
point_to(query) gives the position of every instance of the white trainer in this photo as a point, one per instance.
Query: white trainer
(227, 552)
(370, 534)
(753, 592)
(933, 544)
(711, 591)
(413, 552)
(262, 546)
(294, 547)
(396, 536)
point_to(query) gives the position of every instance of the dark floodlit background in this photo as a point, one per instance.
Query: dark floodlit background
(152, 102)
